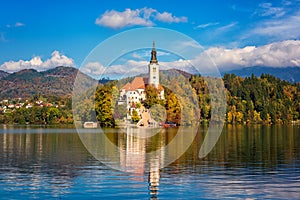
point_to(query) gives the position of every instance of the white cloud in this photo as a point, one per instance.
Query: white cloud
(283, 28)
(138, 17)
(93, 69)
(130, 68)
(267, 9)
(19, 24)
(57, 59)
(185, 44)
(169, 18)
(137, 56)
(277, 23)
(36, 62)
(206, 25)
(226, 27)
(145, 55)
(277, 54)
(115, 19)
(286, 3)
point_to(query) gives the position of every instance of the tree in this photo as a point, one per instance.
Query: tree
(151, 96)
(103, 106)
(173, 108)
(135, 117)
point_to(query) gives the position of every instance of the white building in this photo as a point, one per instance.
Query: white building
(134, 92)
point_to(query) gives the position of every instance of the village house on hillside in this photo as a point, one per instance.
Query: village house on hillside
(134, 92)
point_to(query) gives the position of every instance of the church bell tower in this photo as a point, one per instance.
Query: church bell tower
(153, 68)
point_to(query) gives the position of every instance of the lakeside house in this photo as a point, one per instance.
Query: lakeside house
(9, 105)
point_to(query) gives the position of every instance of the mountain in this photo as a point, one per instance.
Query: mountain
(183, 73)
(59, 81)
(25, 83)
(3, 74)
(291, 74)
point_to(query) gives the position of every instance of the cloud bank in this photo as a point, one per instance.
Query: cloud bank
(138, 17)
(278, 54)
(57, 59)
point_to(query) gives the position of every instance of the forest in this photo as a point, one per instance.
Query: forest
(251, 100)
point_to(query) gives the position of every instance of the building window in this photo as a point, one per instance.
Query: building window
(154, 69)
(154, 77)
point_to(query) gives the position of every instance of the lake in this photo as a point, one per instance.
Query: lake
(247, 162)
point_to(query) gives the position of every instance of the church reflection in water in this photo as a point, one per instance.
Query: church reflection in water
(153, 180)
(140, 155)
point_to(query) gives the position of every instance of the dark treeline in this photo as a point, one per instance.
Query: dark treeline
(261, 100)
(266, 100)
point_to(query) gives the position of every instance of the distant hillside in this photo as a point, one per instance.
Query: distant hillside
(3, 74)
(183, 73)
(59, 81)
(25, 83)
(291, 74)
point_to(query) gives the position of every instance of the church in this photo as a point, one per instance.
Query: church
(134, 92)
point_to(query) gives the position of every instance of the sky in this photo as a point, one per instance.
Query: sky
(44, 34)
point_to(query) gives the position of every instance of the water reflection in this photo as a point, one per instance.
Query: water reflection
(29, 159)
(133, 156)
(247, 162)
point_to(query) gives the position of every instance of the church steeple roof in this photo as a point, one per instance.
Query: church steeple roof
(153, 54)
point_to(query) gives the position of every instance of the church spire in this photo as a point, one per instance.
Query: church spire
(153, 54)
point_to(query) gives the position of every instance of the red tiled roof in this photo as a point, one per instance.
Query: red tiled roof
(137, 83)
(127, 86)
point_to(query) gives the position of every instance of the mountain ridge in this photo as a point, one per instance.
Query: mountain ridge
(59, 80)
(3, 74)
(291, 74)
(27, 82)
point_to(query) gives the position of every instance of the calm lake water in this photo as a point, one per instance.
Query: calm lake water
(248, 162)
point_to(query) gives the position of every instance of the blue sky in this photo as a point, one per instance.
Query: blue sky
(50, 32)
